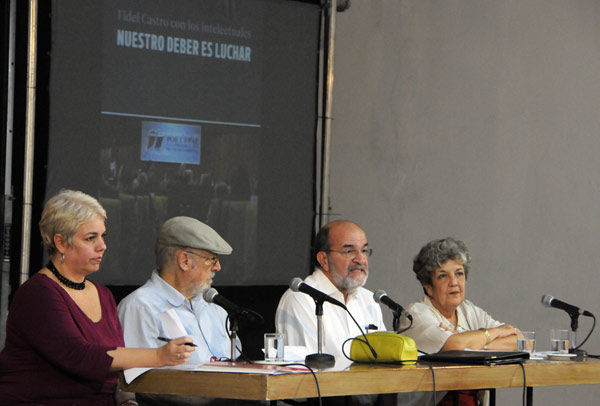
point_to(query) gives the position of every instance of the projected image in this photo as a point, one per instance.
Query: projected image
(197, 61)
(190, 108)
(209, 173)
(166, 142)
(198, 151)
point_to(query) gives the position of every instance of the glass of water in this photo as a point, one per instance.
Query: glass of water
(274, 347)
(526, 341)
(559, 340)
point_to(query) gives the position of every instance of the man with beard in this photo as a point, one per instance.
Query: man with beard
(341, 254)
(187, 259)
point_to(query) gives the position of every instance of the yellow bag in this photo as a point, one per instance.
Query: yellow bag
(389, 346)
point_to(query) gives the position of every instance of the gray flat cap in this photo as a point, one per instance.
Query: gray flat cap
(188, 232)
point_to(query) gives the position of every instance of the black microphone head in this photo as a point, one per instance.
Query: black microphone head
(295, 284)
(209, 295)
(547, 300)
(378, 295)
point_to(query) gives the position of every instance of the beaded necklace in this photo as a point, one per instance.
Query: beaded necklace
(68, 283)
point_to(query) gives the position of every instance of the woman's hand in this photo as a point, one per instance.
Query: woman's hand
(504, 330)
(175, 352)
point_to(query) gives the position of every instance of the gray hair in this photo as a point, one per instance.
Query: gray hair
(435, 254)
(164, 256)
(64, 213)
(321, 243)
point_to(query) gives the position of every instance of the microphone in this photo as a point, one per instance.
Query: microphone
(381, 297)
(297, 285)
(574, 311)
(212, 296)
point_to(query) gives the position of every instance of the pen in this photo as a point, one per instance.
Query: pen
(166, 340)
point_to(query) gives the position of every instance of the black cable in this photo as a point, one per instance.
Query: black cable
(363, 334)
(404, 329)
(589, 334)
(524, 384)
(524, 381)
(242, 355)
(315, 378)
(344, 343)
(229, 336)
(366, 340)
(302, 365)
(282, 365)
(433, 385)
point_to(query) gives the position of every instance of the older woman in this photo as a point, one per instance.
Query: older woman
(443, 318)
(64, 342)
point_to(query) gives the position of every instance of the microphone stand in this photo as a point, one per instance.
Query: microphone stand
(233, 327)
(574, 326)
(319, 360)
(396, 321)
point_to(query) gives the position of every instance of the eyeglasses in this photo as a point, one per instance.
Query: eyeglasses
(213, 260)
(352, 253)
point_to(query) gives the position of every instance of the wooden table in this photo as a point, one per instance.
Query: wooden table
(364, 379)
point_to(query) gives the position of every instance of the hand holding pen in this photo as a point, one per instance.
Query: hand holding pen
(176, 351)
(168, 340)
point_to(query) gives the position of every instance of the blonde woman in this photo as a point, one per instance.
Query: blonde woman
(64, 343)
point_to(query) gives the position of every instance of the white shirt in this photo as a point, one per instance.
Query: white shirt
(426, 330)
(204, 322)
(296, 318)
(430, 338)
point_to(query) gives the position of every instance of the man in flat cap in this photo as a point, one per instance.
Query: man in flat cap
(187, 258)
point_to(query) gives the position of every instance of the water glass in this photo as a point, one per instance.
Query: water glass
(274, 347)
(526, 342)
(559, 340)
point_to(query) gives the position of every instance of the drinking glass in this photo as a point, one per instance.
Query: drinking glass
(559, 340)
(526, 342)
(274, 347)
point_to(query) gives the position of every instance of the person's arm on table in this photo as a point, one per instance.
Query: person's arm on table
(504, 343)
(496, 338)
(173, 353)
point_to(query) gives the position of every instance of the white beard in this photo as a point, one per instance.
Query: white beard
(345, 283)
(199, 289)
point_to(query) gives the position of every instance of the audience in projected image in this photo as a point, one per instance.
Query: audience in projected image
(140, 195)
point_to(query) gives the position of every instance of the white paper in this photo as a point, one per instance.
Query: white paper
(132, 373)
(172, 324)
(295, 353)
(245, 368)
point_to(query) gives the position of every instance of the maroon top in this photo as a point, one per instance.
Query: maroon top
(54, 354)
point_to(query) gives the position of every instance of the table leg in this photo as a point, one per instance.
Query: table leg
(492, 396)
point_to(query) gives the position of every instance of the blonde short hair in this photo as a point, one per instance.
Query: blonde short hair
(64, 213)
